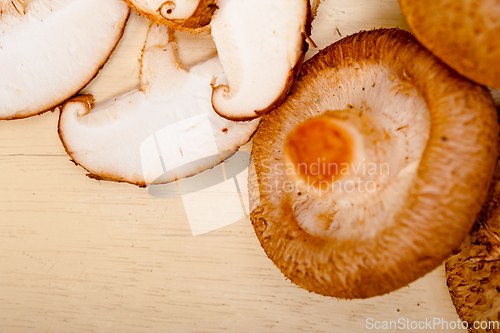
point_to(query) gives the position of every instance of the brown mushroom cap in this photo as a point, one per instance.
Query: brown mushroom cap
(437, 132)
(462, 33)
(473, 273)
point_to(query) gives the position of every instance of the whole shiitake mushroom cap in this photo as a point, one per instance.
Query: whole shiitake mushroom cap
(462, 33)
(473, 272)
(422, 152)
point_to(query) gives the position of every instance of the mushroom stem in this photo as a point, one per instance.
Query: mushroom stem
(167, 8)
(321, 152)
(178, 10)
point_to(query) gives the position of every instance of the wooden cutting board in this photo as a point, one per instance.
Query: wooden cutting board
(79, 255)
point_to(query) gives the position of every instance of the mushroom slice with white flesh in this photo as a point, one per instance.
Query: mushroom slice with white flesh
(462, 33)
(186, 15)
(153, 134)
(261, 45)
(374, 169)
(51, 49)
(473, 272)
(314, 8)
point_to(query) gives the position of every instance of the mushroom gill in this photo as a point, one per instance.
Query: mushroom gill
(415, 148)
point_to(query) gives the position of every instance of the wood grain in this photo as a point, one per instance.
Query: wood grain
(79, 255)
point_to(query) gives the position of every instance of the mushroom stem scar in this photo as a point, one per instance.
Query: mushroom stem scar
(317, 150)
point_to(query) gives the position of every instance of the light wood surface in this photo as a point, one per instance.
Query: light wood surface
(79, 255)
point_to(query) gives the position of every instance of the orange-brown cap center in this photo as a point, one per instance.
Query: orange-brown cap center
(319, 149)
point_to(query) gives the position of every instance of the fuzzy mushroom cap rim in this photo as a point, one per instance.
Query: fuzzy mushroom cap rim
(446, 188)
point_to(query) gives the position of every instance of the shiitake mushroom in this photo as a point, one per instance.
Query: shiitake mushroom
(374, 169)
(473, 272)
(162, 131)
(462, 33)
(49, 50)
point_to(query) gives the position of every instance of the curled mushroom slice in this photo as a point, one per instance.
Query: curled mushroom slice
(473, 272)
(187, 15)
(150, 135)
(51, 49)
(374, 169)
(261, 45)
(462, 33)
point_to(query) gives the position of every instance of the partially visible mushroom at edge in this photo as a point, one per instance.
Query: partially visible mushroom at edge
(51, 49)
(379, 100)
(473, 272)
(462, 33)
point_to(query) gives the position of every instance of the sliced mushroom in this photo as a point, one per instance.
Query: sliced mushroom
(187, 15)
(374, 169)
(51, 49)
(462, 33)
(473, 272)
(314, 4)
(150, 135)
(261, 45)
